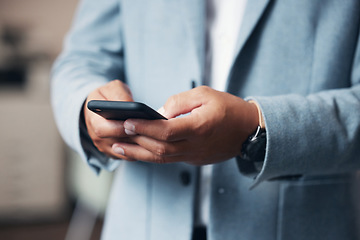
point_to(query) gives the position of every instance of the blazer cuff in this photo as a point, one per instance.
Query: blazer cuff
(93, 157)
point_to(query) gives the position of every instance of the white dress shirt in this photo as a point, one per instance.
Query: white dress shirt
(224, 18)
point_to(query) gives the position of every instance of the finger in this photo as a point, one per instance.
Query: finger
(116, 155)
(105, 146)
(162, 148)
(98, 125)
(100, 142)
(184, 102)
(175, 129)
(116, 90)
(104, 128)
(103, 143)
(136, 152)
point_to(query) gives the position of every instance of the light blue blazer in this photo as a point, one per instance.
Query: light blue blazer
(299, 59)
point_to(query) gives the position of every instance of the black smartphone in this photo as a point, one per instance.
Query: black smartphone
(119, 110)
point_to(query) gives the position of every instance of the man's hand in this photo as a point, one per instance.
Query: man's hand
(104, 133)
(213, 130)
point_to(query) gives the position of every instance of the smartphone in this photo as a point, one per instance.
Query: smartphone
(120, 110)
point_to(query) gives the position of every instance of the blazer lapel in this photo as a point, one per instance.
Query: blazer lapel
(194, 12)
(253, 13)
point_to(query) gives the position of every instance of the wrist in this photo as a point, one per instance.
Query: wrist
(261, 121)
(253, 149)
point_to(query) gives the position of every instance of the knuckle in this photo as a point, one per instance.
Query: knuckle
(159, 159)
(110, 85)
(99, 146)
(167, 135)
(95, 139)
(202, 129)
(101, 149)
(174, 99)
(89, 119)
(102, 129)
(114, 83)
(160, 150)
(203, 89)
(119, 132)
(117, 81)
(92, 122)
(98, 131)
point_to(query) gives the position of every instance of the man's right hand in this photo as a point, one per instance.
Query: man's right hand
(104, 133)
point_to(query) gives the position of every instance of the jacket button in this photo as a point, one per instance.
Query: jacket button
(193, 83)
(185, 178)
(221, 190)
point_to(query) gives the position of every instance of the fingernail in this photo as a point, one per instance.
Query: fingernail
(129, 132)
(129, 126)
(161, 110)
(118, 149)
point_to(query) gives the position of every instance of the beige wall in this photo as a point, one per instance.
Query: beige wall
(45, 21)
(32, 158)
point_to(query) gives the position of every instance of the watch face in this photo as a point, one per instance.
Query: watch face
(254, 147)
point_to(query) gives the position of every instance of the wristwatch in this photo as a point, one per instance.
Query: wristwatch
(253, 149)
(252, 156)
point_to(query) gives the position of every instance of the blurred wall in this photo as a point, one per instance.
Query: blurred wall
(45, 21)
(32, 155)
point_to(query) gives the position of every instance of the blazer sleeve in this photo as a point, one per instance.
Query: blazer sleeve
(314, 134)
(92, 56)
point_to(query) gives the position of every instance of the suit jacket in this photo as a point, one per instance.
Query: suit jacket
(300, 60)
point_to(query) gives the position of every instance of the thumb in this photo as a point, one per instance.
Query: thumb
(182, 103)
(116, 90)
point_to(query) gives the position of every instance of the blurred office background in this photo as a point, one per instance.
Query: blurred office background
(46, 191)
